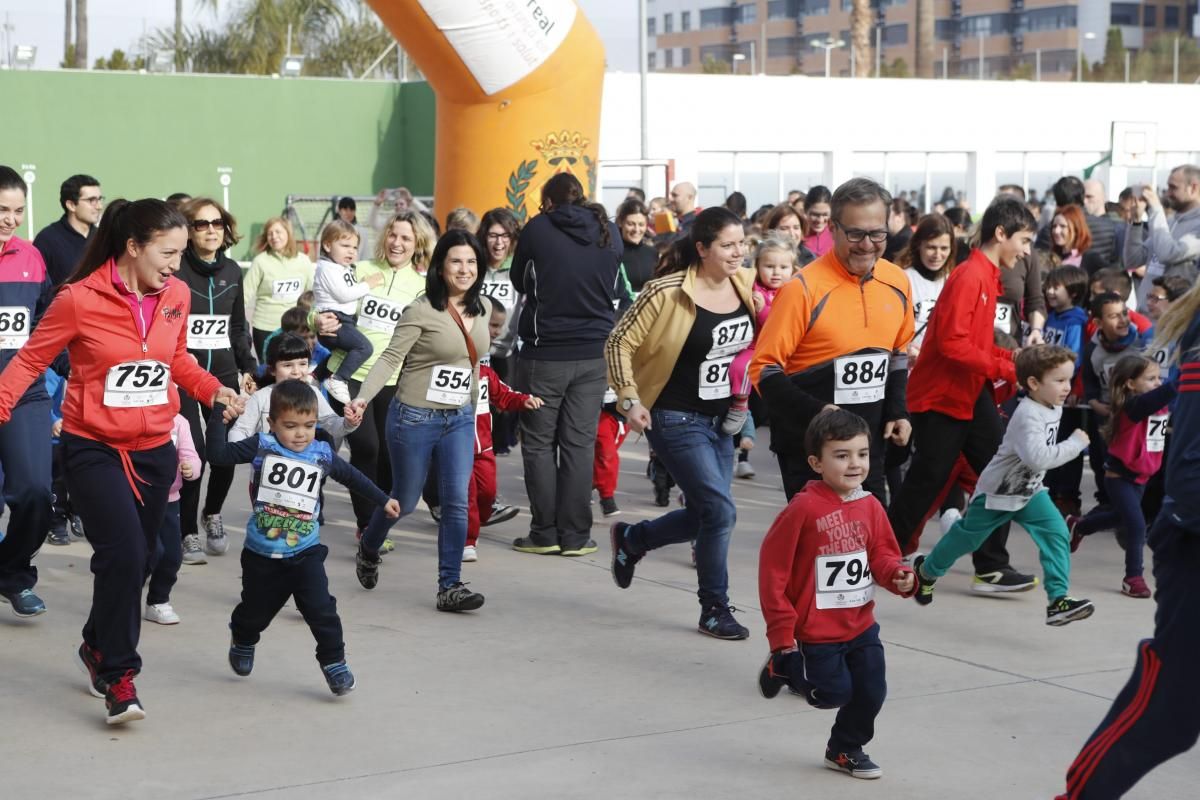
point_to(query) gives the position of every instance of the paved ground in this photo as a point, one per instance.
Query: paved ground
(562, 686)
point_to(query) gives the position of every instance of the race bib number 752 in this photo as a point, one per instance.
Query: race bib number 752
(135, 384)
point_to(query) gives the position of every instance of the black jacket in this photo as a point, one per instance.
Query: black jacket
(61, 247)
(570, 284)
(217, 290)
(639, 260)
(1105, 249)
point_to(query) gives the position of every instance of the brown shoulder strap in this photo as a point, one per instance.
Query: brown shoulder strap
(470, 343)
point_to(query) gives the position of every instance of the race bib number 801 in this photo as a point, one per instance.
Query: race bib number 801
(290, 483)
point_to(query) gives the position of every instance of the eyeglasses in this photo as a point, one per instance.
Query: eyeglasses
(856, 235)
(97, 200)
(498, 237)
(205, 224)
(1158, 298)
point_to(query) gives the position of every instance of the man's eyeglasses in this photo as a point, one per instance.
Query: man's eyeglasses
(856, 235)
(1158, 298)
(97, 200)
(206, 224)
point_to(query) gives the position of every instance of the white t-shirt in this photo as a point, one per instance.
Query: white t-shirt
(924, 294)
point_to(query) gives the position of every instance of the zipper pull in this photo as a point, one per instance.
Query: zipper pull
(144, 348)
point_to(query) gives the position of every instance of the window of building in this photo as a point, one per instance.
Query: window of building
(1123, 14)
(784, 9)
(1171, 17)
(651, 60)
(668, 23)
(987, 25)
(784, 47)
(717, 52)
(816, 7)
(685, 21)
(894, 35)
(669, 58)
(749, 13)
(650, 26)
(1050, 19)
(685, 55)
(719, 17)
(1150, 16)
(944, 30)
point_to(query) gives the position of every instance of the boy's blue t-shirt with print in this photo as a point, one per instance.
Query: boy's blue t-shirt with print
(286, 497)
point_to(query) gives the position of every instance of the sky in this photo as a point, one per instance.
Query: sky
(119, 24)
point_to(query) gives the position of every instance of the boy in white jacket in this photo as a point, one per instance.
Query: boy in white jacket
(1010, 487)
(337, 290)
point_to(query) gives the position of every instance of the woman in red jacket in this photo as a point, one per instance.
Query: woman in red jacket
(122, 319)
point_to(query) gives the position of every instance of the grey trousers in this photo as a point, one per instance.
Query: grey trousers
(557, 442)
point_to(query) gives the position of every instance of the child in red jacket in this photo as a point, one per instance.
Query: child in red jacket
(481, 494)
(817, 572)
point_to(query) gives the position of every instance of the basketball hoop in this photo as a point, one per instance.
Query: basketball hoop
(1134, 144)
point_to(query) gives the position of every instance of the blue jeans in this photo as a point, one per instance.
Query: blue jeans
(414, 436)
(700, 459)
(1125, 497)
(163, 567)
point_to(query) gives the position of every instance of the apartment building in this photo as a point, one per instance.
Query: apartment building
(781, 37)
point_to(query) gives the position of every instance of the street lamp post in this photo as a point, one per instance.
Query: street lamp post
(981, 55)
(829, 45)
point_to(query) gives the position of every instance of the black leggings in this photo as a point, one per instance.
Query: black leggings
(260, 341)
(368, 451)
(219, 478)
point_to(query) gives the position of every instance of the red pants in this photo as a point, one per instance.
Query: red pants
(606, 464)
(481, 494)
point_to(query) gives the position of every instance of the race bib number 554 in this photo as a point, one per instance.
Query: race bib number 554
(449, 386)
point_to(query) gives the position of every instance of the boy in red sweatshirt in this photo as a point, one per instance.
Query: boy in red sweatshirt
(481, 494)
(817, 572)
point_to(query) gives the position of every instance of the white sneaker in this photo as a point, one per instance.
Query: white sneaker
(469, 553)
(948, 518)
(338, 389)
(214, 530)
(162, 613)
(743, 469)
(192, 552)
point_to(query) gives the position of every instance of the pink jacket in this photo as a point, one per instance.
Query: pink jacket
(181, 436)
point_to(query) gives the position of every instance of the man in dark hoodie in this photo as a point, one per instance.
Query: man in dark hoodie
(565, 265)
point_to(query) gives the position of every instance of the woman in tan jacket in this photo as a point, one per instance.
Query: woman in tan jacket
(668, 361)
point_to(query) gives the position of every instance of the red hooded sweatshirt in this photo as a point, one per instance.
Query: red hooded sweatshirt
(493, 392)
(820, 563)
(122, 386)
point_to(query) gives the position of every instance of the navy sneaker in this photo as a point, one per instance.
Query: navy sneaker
(25, 603)
(122, 702)
(856, 765)
(58, 535)
(76, 526)
(339, 677)
(770, 682)
(623, 558)
(89, 661)
(924, 593)
(717, 621)
(241, 657)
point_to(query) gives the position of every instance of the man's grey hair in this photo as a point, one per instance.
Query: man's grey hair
(857, 192)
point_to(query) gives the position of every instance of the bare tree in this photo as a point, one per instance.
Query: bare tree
(81, 34)
(925, 42)
(861, 21)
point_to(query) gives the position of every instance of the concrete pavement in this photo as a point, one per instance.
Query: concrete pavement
(562, 685)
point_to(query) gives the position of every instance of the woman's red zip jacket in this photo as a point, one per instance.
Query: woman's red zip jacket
(958, 355)
(96, 325)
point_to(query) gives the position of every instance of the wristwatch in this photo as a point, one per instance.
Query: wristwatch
(628, 403)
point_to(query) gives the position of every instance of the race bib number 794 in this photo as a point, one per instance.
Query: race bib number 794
(844, 580)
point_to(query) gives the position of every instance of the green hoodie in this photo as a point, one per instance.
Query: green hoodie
(273, 284)
(380, 310)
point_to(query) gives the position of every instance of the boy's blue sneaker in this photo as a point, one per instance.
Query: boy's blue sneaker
(339, 677)
(717, 621)
(856, 765)
(241, 657)
(770, 682)
(924, 592)
(623, 558)
(25, 603)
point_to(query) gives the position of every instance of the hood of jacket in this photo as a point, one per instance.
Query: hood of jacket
(577, 222)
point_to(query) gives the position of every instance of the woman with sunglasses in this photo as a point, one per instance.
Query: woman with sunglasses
(219, 338)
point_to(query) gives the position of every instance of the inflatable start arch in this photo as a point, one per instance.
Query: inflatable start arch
(518, 86)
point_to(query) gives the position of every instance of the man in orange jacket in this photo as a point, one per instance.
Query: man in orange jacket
(838, 335)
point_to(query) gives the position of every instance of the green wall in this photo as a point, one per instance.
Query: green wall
(145, 135)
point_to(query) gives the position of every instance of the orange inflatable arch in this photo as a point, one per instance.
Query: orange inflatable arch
(518, 86)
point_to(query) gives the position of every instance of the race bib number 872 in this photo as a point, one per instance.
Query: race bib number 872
(208, 332)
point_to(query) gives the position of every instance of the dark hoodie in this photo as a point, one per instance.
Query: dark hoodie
(569, 282)
(217, 290)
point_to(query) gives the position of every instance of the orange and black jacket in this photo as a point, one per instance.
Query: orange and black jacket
(825, 313)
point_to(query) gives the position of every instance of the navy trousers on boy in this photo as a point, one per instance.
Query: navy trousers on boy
(849, 676)
(267, 583)
(1157, 715)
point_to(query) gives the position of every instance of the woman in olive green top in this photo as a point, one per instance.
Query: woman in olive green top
(439, 341)
(277, 277)
(402, 255)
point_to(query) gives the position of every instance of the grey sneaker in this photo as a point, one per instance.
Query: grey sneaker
(214, 531)
(192, 552)
(735, 420)
(458, 598)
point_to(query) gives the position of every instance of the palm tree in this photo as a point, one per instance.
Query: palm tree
(70, 5)
(81, 34)
(925, 42)
(860, 37)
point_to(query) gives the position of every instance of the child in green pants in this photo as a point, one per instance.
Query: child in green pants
(1010, 487)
